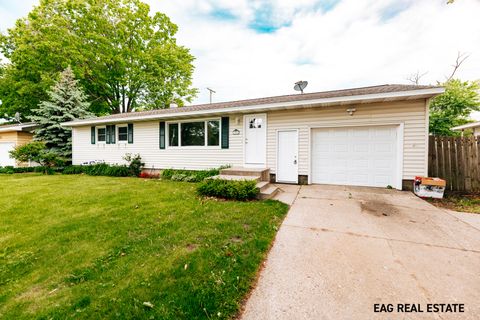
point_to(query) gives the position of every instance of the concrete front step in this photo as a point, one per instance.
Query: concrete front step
(262, 173)
(268, 192)
(235, 177)
(262, 185)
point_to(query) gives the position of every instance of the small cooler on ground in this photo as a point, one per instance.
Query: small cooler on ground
(426, 187)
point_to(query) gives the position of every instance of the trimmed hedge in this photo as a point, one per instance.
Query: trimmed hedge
(189, 175)
(12, 170)
(229, 189)
(73, 170)
(100, 169)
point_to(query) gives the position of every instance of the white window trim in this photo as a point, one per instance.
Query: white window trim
(118, 133)
(96, 134)
(206, 146)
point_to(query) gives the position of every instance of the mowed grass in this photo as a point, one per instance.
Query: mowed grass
(81, 247)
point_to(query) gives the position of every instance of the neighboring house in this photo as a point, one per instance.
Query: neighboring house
(12, 135)
(371, 136)
(474, 127)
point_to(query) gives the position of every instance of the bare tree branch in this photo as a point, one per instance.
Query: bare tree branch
(414, 78)
(461, 57)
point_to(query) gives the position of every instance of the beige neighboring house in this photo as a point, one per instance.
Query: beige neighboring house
(12, 135)
(371, 136)
(474, 127)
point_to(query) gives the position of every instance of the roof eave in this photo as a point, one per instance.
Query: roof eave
(367, 98)
(19, 128)
(467, 126)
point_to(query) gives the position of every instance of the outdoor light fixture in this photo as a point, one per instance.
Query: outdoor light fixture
(236, 132)
(351, 111)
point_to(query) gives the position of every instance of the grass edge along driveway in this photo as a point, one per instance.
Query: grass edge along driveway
(101, 247)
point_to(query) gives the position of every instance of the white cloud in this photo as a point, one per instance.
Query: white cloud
(356, 43)
(332, 44)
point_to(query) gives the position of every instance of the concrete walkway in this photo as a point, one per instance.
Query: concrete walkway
(342, 249)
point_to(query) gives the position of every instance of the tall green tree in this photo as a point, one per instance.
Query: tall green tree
(67, 102)
(124, 57)
(453, 107)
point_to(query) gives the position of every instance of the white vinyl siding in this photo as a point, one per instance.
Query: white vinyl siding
(146, 143)
(146, 138)
(410, 113)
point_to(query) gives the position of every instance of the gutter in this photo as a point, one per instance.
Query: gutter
(270, 106)
(18, 128)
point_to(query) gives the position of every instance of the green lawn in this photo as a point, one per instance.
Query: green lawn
(100, 247)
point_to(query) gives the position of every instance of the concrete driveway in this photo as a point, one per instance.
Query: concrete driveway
(342, 249)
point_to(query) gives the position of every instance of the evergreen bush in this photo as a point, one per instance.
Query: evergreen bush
(228, 189)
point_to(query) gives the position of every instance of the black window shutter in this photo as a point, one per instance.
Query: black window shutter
(92, 134)
(113, 132)
(162, 135)
(225, 131)
(130, 133)
(107, 134)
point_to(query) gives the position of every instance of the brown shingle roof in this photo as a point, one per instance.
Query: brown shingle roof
(388, 88)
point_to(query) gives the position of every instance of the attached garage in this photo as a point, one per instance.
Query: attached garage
(357, 156)
(12, 135)
(377, 140)
(5, 159)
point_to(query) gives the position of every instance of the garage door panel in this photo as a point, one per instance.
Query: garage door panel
(359, 133)
(5, 159)
(341, 148)
(360, 164)
(339, 134)
(382, 147)
(382, 133)
(360, 147)
(363, 156)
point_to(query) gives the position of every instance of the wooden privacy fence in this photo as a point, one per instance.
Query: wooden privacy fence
(457, 160)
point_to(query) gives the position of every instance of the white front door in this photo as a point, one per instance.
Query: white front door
(255, 139)
(359, 156)
(5, 159)
(287, 156)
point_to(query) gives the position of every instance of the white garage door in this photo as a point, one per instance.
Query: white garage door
(359, 156)
(5, 159)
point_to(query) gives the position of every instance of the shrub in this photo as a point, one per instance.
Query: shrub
(73, 170)
(27, 169)
(189, 175)
(11, 170)
(135, 164)
(103, 169)
(99, 169)
(228, 189)
(179, 177)
(7, 170)
(36, 151)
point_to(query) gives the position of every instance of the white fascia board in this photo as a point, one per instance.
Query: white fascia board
(268, 107)
(467, 126)
(17, 128)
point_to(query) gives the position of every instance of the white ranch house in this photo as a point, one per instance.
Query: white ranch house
(372, 136)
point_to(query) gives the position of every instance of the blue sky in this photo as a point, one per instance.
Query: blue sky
(253, 48)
